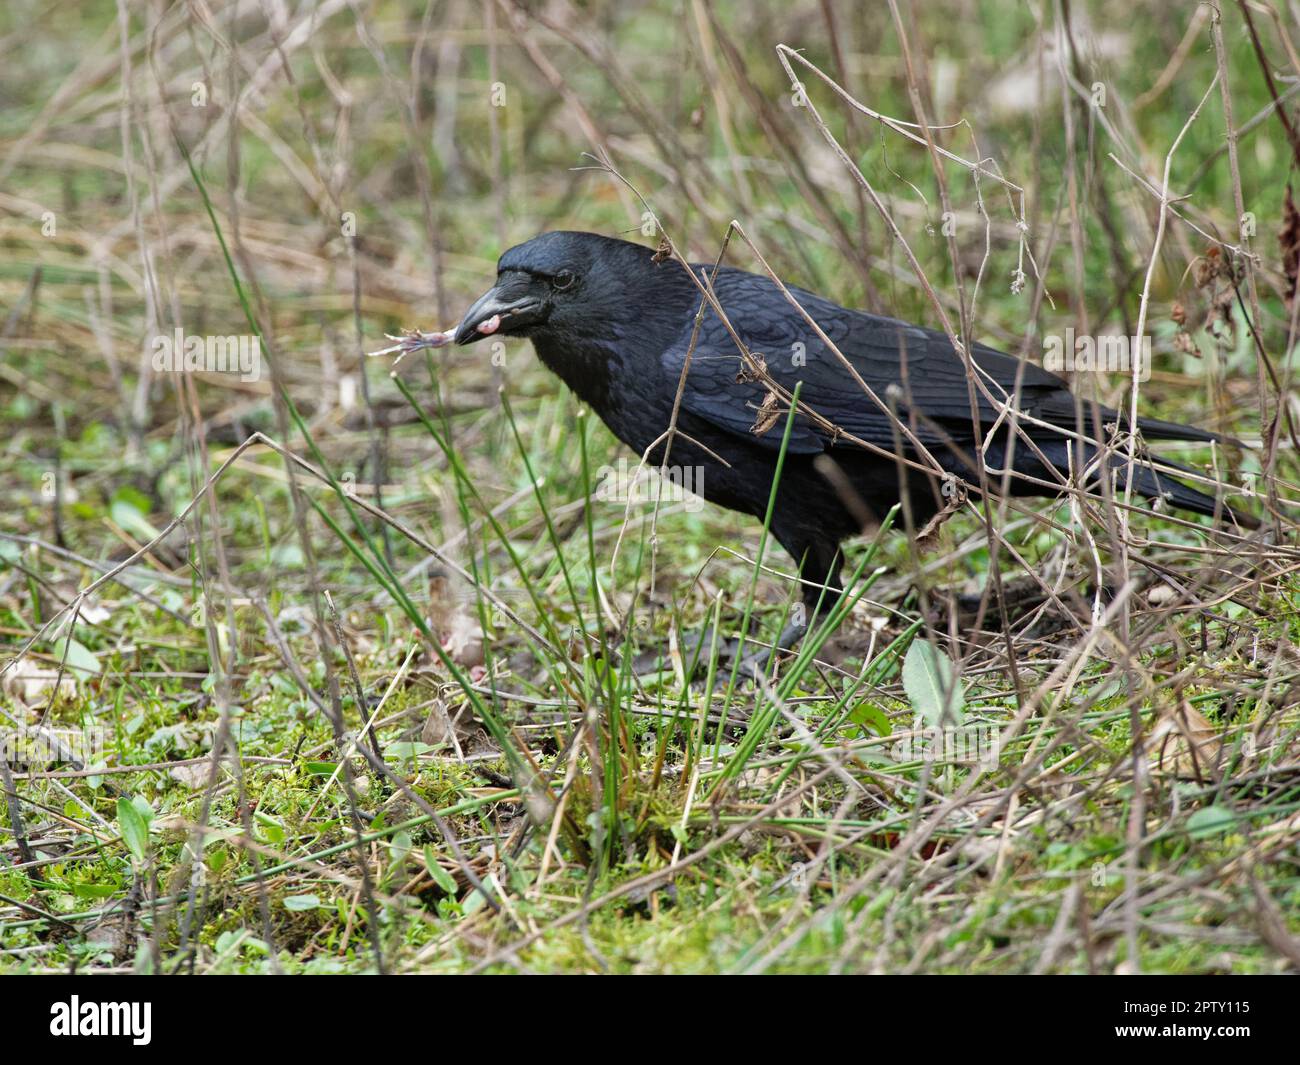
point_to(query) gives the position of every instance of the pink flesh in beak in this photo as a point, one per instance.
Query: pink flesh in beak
(490, 326)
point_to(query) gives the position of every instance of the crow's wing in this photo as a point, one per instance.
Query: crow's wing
(929, 375)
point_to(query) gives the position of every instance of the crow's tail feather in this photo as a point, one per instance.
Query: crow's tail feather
(1155, 429)
(1152, 483)
(1155, 484)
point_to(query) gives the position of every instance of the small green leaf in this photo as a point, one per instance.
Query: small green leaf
(95, 891)
(930, 680)
(134, 828)
(1212, 821)
(129, 510)
(869, 715)
(407, 750)
(399, 847)
(272, 830)
(301, 903)
(477, 900)
(287, 556)
(440, 875)
(77, 660)
(132, 497)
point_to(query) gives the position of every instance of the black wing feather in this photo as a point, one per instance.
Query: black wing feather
(920, 363)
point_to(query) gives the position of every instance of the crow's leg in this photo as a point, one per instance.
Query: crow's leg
(821, 586)
(820, 590)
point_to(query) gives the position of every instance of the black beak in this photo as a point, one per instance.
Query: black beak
(512, 302)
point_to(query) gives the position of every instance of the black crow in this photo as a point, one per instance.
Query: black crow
(616, 320)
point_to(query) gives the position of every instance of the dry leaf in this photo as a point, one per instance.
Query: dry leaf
(768, 415)
(954, 493)
(1208, 267)
(1185, 744)
(28, 683)
(193, 777)
(441, 727)
(1289, 239)
(463, 641)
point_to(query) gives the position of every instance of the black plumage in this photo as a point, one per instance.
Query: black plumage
(616, 321)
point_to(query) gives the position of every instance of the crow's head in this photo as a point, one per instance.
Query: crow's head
(568, 285)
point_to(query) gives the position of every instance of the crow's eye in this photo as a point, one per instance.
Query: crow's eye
(564, 279)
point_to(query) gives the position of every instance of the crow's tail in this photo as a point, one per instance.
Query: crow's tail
(1155, 429)
(1155, 484)
(1150, 482)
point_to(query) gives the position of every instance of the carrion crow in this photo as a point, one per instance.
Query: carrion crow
(616, 321)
